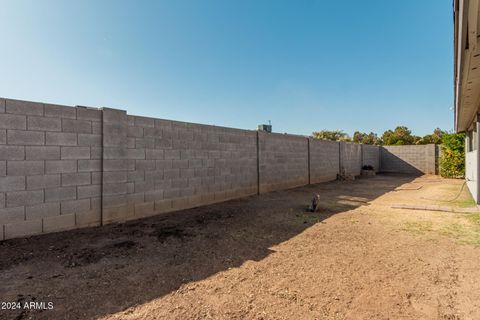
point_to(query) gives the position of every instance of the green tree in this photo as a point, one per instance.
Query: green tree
(336, 135)
(366, 138)
(400, 136)
(452, 160)
(435, 137)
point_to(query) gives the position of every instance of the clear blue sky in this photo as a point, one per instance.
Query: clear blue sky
(304, 65)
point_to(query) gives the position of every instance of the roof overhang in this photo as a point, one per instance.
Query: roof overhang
(467, 62)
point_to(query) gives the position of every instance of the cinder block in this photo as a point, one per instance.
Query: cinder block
(43, 181)
(145, 165)
(89, 191)
(44, 123)
(75, 206)
(2, 105)
(24, 107)
(85, 139)
(118, 214)
(76, 179)
(23, 229)
(43, 210)
(97, 127)
(42, 153)
(24, 198)
(137, 175)
(171, 173)
(152, 132)
(144, 122)
(163, 164)
(171, 193)
(114, 135)
(24, 168)
(11, 215)
(144, 209)
(60, 194)
(96, 177)
(61, 138)
(163, 206)
(75, 153)
(154, 175)
(135, 198)
(89, 165)
(96, 202)
(172, 154)
(114, 153)
(114, 201)
(12, 121)
(154, 154)
(57, 111)
(92, 114)
(59, 223)
(20, 137)
(153, 195)
(187, 173)
(88, 219)
(3, 168)
(180, 204)
(117, 165)
(96, 153)
(114, 116)
(136, 132)
(12, 183)
(137, 154)
(143, 186)
(163, 143)
(3, 136)
(111, 189)
(115, 177)
(77, 126)
(60, 166)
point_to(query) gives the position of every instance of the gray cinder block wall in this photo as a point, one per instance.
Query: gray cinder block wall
(50, 160)
(324, 160)
(283, 161)
(411, 159)
(69, 167)
(371, 156)
(350, 158)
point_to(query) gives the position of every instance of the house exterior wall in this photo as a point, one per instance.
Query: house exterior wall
(471, 160)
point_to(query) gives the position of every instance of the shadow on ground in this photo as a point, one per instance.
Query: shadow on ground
(94, 272)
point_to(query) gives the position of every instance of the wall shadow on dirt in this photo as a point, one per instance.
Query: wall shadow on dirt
(94, 272)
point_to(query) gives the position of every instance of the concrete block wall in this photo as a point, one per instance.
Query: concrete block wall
(50, 159)
(324, 160)
(178, 165)
(283, 161)
(414, 159)
(371, 156)
(69, 167)
(350, 158)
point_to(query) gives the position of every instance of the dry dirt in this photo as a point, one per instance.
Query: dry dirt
(263, 257)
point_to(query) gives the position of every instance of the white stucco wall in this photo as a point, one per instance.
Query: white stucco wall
(471, 174)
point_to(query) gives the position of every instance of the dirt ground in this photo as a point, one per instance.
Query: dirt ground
(264, 257)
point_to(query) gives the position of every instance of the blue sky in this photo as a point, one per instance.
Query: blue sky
(304, 65)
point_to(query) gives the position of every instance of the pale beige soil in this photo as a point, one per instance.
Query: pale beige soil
(264, 257)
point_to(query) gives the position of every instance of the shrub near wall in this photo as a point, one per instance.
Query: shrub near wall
(452, 161)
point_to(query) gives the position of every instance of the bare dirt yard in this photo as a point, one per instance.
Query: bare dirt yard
(264, 257)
